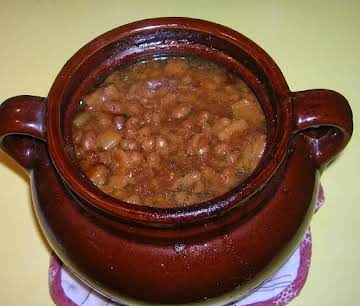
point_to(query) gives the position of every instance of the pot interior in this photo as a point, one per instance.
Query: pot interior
(109, 52)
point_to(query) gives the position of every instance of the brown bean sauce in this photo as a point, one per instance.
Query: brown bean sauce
(169, 132)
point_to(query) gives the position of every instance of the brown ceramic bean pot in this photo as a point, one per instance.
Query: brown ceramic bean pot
(216, 251)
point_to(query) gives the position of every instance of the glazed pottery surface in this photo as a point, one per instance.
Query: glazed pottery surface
(220, 249)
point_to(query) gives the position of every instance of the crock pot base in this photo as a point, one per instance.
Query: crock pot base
(68, 290)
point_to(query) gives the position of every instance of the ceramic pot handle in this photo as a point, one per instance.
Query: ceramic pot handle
(326, 118)
(21, 117)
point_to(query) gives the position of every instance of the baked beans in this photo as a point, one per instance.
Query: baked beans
(169, 132)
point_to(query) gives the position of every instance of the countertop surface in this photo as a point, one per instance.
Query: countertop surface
(316, 45)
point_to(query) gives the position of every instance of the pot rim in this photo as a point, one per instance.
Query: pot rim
(167, 216)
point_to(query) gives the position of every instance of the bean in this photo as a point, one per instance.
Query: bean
(181, 111)
(117, 181)
(103, 120)
(144, 132)
(231, 91)
(128, 159)
(219, 125)
(203, 117)
(249, 110)
(199, 187)
(186, 129)
(135, 158)
(131, 176)
(129, 144)
(175, 184)
(134, 199)
(152, 118)
(228, 177)
(147, 171)
(209, 85)
(134, 109)
(237, 126)
(81, 118)
(198, 145)
(92, 156)
(149, 103)
(153, 159)
(187, 125)
(224, 121)
(232, 157)
(207, 172)
(77, 136)
(113, 78)
(120, 193)
(131, 127)
(130, 134)
(148, 144)
(186, 79)
(121, 157)
(110, 92)
(218, 163)
(191, 178)
(156, 119)
(206, 128)
(98, 174)
(222, 149)
(113, 107)
(88, 140)
(96, 98)
(108, 139)
(184, 198)
(253, 151)
(93, 100)
(159, 200)
(153, 84)
(105, 158)
(138, 90)
(180, 197)
(133, 123)
(219, 188)
(147, 116)
(161, 144)
(119, 122)
(219, 79)
(174, 141)
(169, 100)
(176, 67)
(203, 150)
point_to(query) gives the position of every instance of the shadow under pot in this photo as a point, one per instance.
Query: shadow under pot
(215, 251)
